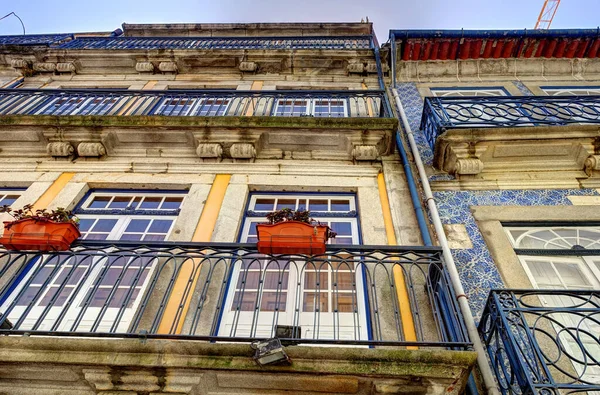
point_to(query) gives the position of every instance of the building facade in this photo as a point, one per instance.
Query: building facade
(171, 143)
(506, 124)
(459, 170)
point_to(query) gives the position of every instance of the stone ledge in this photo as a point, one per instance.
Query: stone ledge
(198, 122)
(168, 366)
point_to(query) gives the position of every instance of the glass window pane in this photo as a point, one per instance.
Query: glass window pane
(154, 237)
(252, 230)
(60, 299)
(345, 280)
(340, 205)
(96, 236)
(248, 280)
(302, 204)
(244, 301)
(120, 202)
(9, 199)
(171, 203)
(274, 278)
(99, 202)
(318, 205)
(131, 237)
(342, 228)
(310, 280)
(345, 302)
(160, 226)
(104, 225)
(312, 298)
(85, 224)
(264, 204)
(286, 203)
(150, 203)
(137, 225)
(272, 301)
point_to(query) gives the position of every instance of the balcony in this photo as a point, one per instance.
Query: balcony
(210, 124)
(543, 341)
(207, 43)
(487, 135)
(197, 306)
(35, 39)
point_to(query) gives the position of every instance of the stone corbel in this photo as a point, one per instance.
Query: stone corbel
(242, 151)
(144, 67)
(248, 66)
(20, 64)
(168, 67)
(356, 68)
(66, 67)
(365, 152)
(209, 150)
(60, 149)
(91, 149)
(44, 67)
(592, 165)
(468, 166)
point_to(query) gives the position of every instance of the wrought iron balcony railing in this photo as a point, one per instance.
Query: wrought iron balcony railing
(543, 341)
(442, 113)
(303, 42)
(35, 39)
(230, 292)
(122, 102)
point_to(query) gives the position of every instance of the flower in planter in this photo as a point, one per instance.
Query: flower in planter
(41, 230)
(59, 215)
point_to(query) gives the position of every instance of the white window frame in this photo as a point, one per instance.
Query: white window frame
(4, 193)
(465, 92)
(310, 105)
(92, 276)
(344, 325)
(90, 198)
(571, 90)
(194, 106)
(588, 266)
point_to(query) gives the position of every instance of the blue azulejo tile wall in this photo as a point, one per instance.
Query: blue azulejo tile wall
(477, 270)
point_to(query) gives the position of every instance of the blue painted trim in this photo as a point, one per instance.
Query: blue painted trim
(15, 84)
(13, 285)
(414, 193)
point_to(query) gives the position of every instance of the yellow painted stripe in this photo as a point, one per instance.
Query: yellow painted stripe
(369, 102)
(256, 86)
(408, 324)
(11, 82)
(149, 85)
(51, 193)
(183, 289)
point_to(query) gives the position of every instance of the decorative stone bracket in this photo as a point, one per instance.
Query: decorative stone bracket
(365, 152)
(592, 165)
(209, 150)
(469, 166)
(248, 66)
(85, 149)
(242, 151)
(176, 382)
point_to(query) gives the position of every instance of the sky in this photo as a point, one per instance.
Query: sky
(46, 16)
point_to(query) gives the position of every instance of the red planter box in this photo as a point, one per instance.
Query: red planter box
(39, 235)
(291, 237)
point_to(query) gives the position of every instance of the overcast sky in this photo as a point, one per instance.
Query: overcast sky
(46, 16)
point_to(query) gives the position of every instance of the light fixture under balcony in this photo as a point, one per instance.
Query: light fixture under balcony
(269, 352)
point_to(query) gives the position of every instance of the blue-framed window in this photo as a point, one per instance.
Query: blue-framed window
(128, 215)
(9, 195)
(99, 294)
(319, 107)
(571, 90)
(325, 300)
(483, 91)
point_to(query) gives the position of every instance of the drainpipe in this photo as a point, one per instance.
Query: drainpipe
(414, 194)
(484, 367)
